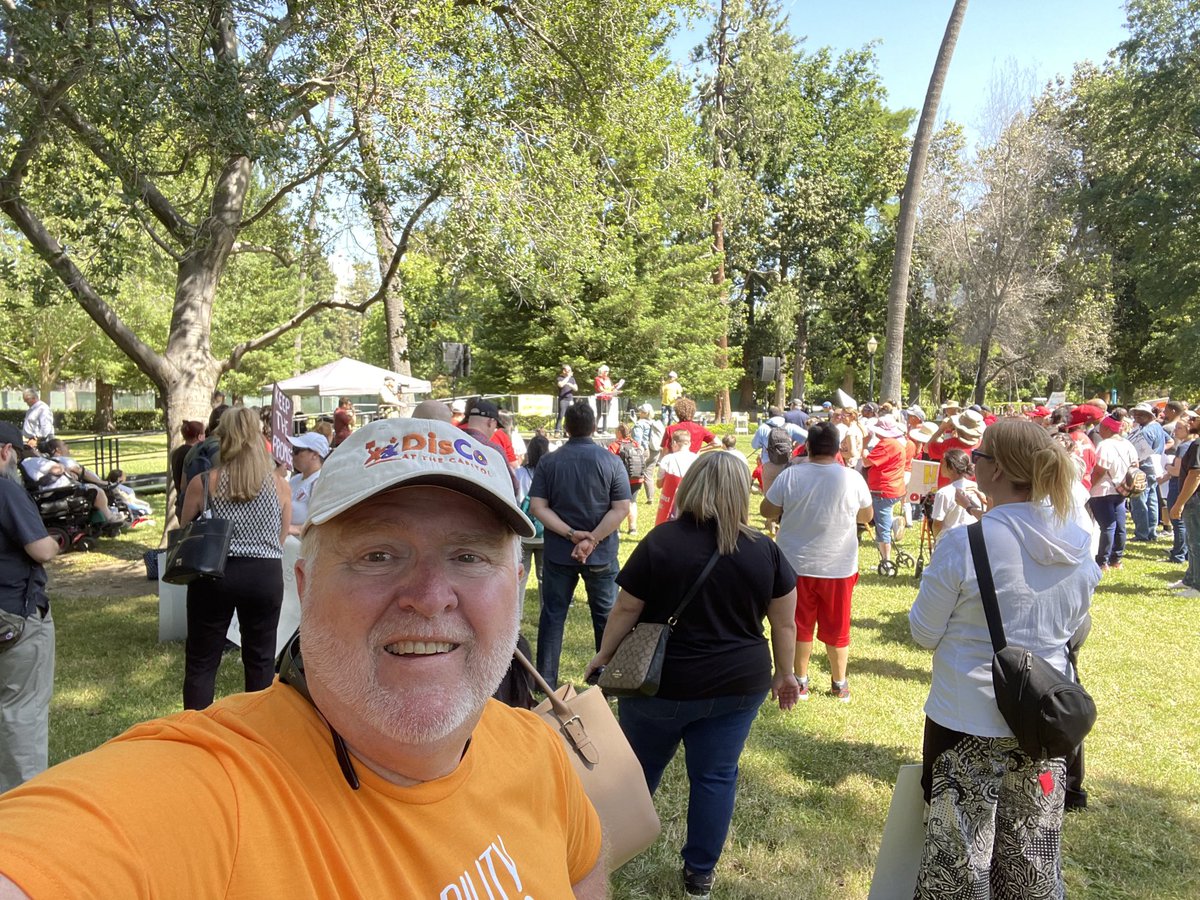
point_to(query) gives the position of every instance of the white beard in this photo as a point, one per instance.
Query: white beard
(419, 713)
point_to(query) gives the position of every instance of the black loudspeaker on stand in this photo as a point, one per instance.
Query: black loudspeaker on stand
(769, 367)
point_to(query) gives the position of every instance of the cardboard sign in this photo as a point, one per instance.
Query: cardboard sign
(903, 840)
(1057, 399)
(535, 404)
(922, 479)
(281, 426)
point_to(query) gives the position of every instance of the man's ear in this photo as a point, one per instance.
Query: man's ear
(300, 576)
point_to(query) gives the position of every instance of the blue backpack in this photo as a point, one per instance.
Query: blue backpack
(539, 530)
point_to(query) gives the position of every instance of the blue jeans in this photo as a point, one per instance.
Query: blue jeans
(713, 732)
(564, 403)
(883, 516)
(668, 415)
(1109, 512)
(1144, 508)
(1191, 522)
(558, 587)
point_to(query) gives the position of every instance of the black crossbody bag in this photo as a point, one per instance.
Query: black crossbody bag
(1049, 713)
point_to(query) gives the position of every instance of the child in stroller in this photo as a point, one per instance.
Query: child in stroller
(140, 511)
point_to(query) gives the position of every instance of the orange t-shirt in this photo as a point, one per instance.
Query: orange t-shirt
(245, 799)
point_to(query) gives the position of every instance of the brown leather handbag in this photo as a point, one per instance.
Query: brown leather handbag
(605, 763)
(635, 669)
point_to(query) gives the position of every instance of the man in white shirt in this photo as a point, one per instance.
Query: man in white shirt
(308, 454)
(39, 421)
(671, 469)
(819, 504)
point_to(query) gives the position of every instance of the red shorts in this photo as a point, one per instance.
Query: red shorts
(824, 602)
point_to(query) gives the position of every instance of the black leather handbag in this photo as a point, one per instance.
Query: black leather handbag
(1049, 713)
(200, 548)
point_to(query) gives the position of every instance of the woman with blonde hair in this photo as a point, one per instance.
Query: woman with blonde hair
(995, 814)
(853, 439)
(245, 488)
(718, 667)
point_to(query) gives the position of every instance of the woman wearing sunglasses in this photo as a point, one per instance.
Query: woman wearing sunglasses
(995, 814)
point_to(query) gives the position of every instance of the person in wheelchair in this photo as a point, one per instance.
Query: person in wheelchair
(56, 470)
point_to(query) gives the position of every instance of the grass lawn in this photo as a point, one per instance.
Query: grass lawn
(816, 781)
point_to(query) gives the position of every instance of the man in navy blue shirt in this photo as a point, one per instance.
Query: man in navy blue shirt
(1149, 439)
(796, 415)
(580, 493)
(26, 628)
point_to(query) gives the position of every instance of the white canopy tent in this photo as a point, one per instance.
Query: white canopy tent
(349, 377)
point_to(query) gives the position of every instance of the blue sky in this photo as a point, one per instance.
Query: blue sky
(1046, 37)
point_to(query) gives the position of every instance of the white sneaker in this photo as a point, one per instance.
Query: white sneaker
(1176, 585)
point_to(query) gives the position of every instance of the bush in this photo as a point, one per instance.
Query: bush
(83, 419)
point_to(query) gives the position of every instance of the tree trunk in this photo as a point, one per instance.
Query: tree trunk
(917, 358)
(383, 223)
(981, 376)
(848, 376)
(800, 360)
(935, 388)
(105, 420)
(718, 225)
(906, 224)
(1055, 382)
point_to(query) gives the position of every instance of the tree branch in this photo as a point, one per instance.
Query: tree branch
(284, 191)
(269, 337)
(57, 258)
(135, 182)
(504, 9)
(285, 259)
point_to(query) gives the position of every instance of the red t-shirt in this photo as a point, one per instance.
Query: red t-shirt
(885, 468)
(1088, 451)
(499, 439)
(343, 421)
(911, 451)
(938, 450)
(700, 435)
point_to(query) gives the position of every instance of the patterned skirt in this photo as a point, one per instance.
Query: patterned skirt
(995, 820)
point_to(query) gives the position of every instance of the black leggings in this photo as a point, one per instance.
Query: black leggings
(253, 587)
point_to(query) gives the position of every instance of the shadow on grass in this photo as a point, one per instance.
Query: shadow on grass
(892, 626)
(112, 673)
(1133, 841)
(886, 668)
(823, 802)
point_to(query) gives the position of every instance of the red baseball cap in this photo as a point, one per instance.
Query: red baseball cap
(1084, 415)
(1038, 412)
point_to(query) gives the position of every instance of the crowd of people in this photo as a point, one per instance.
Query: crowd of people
(417, 539)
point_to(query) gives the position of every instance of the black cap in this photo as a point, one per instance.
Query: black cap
(11, 434)
(485, 408)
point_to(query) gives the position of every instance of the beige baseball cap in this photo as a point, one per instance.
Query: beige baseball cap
(392, 453)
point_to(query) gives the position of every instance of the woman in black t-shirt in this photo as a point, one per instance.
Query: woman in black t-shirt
(718, 665)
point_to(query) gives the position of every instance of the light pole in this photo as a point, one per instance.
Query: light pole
(872, 346)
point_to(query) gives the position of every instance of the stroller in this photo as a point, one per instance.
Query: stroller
(902, 558)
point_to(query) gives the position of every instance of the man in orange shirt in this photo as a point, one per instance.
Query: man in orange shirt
(377, 764)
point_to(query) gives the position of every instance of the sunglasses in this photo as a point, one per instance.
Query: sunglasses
(977, 455)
